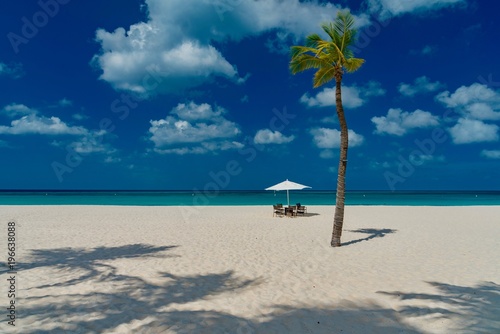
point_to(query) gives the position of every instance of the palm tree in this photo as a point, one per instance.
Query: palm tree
(331, 58)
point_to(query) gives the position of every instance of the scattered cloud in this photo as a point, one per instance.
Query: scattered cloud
(29, 121)
(326, 98)
(468, 131)
(482, 111)
(330, 138)
(14, 110)
(466, 95)
(398, 122)
(372, 88)
(379, 165)
(425, 51)
(80, 117)
(352, 96)
(110, 159)
(266, 136)
(173, 50)
(41, 125)
(329, 120)
(92, 142)
(476, 101)
(280, 43)
(420, 85)
(64, 102)
(202, 149)
(421, 159)
(327, 154)
(388, 8)
(428, 49)
(476, 104)
(196, 128)
(196, 112)
(14, 71)
(491, 154)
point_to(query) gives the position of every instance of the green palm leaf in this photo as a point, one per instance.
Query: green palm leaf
(305, 62)
(323, 75)
(353, 64)
(330, 55)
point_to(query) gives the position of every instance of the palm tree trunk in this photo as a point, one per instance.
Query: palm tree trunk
(338, 219)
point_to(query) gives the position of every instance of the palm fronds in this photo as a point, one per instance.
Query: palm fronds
(323, 75)
(328, 55)
(352, 64)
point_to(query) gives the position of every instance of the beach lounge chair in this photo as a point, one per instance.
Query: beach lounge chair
(291, 211)
(301, 210)
(278, 210)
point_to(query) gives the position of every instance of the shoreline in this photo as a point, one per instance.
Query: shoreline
(249, 205)
(250, 198)
(174, 269)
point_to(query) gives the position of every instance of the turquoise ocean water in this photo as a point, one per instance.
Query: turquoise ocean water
(305, 197)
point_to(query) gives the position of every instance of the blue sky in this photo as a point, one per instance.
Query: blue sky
(197, 94)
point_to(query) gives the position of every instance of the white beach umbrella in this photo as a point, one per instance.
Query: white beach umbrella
(287, 185)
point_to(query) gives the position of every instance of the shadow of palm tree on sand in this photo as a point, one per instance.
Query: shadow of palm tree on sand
(106, 298)
(474, 309)
(372, 234)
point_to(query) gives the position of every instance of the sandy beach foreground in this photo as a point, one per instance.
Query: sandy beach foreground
(108, 269)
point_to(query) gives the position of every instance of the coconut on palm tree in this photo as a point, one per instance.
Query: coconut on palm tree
(331, 58)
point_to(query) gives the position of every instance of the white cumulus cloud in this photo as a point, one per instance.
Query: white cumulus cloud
(466, 95)
(327, 139)
(194, 128)
(482, 111)
(29, 121)
(477, 104)
(325, 98)
(476, 101)
(33, 124)
(14, 110)
(398, 122)
(473, 131)
(352, 96)
(266, 136)
(330, 138)
(174, 50)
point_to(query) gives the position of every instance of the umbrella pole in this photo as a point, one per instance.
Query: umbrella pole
(288, 197)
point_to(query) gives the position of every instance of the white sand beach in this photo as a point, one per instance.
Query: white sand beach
(110, 269)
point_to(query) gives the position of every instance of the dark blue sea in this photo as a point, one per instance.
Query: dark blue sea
(305, 197)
